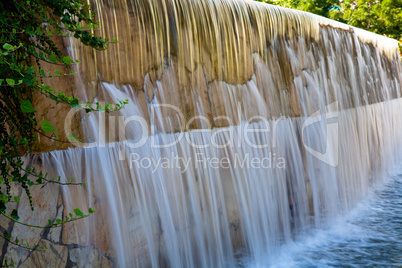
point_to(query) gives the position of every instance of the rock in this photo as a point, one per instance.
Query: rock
(79, 256)
(54, 256)
(55, 233)
(88, 257)
(45, 202)
(16, 254)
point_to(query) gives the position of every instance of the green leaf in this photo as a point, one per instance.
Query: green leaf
(90, 210)
(78, 212)
(57, 72)
(67, 60)
(47, 127)
(26, 107)
(52, 58)
(14, 215)
(74, 103)
(3, 198)
(16, 198)
(72, 137)
(8, 46)
(10, 81)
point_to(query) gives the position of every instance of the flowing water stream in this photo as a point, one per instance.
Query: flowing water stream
(250, 130)
(368, 236)
(183, 209)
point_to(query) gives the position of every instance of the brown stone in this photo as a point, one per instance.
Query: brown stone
(54, 256)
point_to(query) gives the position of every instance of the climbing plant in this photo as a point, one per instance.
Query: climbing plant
(27, 30)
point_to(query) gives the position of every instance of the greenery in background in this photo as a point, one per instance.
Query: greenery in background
(27, 33)
(381, 17)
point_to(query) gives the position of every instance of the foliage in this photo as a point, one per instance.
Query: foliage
(27, 30)
(381, 17)
(318, 7)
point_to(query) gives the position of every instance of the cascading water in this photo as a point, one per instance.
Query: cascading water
(248, 124)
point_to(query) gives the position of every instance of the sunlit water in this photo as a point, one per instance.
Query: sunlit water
(368, 236)
(327, 97)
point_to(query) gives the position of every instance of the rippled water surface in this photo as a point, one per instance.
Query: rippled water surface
(369, 236)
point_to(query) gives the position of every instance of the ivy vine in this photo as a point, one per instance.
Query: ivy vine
(26, 31)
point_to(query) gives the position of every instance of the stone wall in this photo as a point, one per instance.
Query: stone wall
(210, 59)
(220, 65)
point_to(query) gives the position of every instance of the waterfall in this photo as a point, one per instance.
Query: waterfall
(248, 125)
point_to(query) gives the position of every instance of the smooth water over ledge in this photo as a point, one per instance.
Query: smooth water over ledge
(368, 236)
